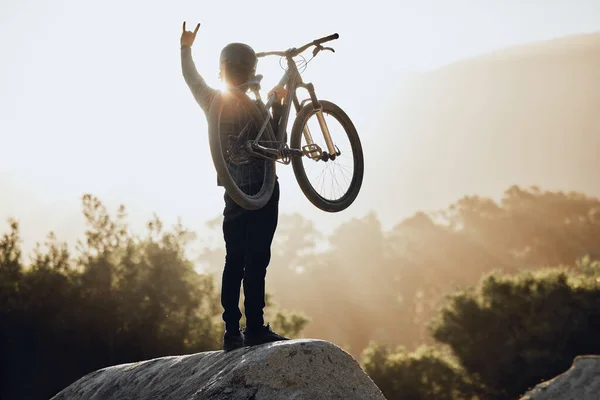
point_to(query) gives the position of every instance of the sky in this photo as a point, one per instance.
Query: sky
(92, 99)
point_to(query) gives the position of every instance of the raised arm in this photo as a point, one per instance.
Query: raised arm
(201, 91)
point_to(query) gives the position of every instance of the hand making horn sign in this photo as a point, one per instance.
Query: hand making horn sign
(188, 37)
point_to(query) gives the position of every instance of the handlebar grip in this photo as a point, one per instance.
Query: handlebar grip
(328, 38)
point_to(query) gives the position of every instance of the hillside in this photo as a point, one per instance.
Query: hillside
(523, 115)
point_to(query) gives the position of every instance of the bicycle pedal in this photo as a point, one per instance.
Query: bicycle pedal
(312, 151)
(292, 152)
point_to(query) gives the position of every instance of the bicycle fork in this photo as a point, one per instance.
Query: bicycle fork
(312, 149)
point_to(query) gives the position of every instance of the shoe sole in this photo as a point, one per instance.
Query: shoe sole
(226, 349)
(249, 343)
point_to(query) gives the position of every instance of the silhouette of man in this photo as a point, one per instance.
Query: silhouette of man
(248, 234)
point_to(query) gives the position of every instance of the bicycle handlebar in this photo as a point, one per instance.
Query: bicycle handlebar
(317, 42)
(293, 52)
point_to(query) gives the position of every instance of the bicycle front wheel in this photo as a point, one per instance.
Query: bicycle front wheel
(330, 183)
(233, 122)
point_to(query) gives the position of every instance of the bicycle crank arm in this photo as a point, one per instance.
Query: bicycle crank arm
(252, 147)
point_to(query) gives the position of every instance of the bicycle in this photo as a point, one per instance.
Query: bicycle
(258, 144)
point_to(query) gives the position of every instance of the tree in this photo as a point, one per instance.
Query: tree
(426, 373)
(537, 228)
(511, 332)
(122, 298)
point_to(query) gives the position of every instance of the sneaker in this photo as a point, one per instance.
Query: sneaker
(260, 336)
(233, 340)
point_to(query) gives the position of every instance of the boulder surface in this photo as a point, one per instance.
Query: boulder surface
(580, 382)
(289, 370)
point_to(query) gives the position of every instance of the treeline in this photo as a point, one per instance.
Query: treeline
(121, 298)
(498, 339)
(386, 285)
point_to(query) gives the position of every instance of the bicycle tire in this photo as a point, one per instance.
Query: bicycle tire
(244, 200)
(295, 142)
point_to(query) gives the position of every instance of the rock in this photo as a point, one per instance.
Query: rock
(289, 370)
(580, 382)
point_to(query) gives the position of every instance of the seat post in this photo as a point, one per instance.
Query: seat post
(256, 92)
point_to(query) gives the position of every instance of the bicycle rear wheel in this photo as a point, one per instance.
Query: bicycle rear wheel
(234, 120)
(330, 183)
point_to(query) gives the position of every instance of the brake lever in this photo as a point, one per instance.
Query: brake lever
(319, 48)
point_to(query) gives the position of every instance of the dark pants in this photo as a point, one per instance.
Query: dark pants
(248, 236)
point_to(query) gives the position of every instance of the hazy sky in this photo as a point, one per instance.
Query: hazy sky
(92, 98)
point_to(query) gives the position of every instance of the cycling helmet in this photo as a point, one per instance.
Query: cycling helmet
(239, 55)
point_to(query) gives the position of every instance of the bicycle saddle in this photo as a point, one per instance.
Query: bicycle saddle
(253, 84)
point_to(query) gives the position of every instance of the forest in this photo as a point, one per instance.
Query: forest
(481, 300)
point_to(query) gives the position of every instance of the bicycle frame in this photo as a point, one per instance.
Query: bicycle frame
(293, 80)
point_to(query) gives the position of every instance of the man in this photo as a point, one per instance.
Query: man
(248, 234)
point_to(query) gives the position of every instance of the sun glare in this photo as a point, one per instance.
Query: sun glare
(221, 86)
